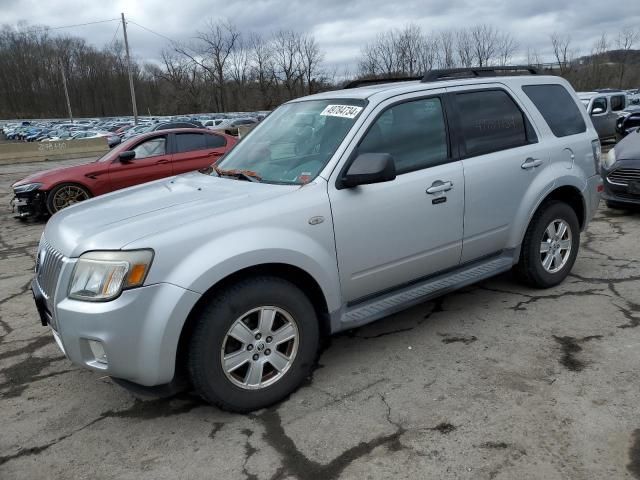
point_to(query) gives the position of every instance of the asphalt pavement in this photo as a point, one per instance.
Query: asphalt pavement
(496, 381)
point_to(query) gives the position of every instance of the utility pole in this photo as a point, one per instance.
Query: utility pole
(133, 92)
(66, 92)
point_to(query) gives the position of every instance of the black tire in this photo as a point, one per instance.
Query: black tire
(51, 206)
(204, 358)
(529, 269)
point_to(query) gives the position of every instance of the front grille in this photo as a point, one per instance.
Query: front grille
(48, 265)
(623, 176)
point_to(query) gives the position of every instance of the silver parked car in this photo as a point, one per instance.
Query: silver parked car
(604, 107)
(392, 195)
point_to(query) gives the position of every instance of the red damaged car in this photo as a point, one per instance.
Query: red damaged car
(141, 159)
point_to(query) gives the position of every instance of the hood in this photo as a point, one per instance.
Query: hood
(629, 147)
(48, 176)
(114, 220)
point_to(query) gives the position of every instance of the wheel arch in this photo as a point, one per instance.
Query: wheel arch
(291, 273)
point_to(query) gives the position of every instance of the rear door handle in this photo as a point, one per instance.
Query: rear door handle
(531, 163)
(439, 186)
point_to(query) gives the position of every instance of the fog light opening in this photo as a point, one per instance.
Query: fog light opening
(97, 350)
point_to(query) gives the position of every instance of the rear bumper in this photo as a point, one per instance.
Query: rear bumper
(591, 195)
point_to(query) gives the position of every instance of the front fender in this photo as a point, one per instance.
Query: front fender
(231, 252)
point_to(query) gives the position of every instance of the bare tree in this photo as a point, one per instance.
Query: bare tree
(562, 52)
(465, 48)
(533, 57)
(507, 46)
(485, 42)
(287, 59)
(625, 41)
(428, 53)
(446, 43)
(311, 59)
(262, 67)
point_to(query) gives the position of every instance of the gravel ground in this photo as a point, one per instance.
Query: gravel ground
(496, 381)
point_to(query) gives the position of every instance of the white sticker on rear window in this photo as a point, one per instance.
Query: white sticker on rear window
(344, 111)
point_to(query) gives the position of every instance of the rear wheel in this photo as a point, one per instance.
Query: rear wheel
(65, 195)
(253, 344)
(550, 246)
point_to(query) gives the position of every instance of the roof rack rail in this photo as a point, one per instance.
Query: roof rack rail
(376, 81)
(455, 73)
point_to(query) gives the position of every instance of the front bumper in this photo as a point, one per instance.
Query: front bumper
(139, 332)
(29, 204)
(615, 192)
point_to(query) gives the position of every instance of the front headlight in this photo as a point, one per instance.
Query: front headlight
(609, 159)
(102, 276)
(28, 187)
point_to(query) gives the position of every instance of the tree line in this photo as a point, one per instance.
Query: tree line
(223, 69)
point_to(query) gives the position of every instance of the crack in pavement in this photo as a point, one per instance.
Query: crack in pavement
(634, 454)
(143, 410)
(297, 464)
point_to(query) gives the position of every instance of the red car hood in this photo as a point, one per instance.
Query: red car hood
(49, 177)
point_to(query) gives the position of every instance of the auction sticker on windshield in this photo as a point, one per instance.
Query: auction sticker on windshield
(344, 111)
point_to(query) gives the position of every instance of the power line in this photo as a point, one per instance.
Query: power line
(40, 29)
(151, 31)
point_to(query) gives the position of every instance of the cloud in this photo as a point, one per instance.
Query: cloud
(340, 27)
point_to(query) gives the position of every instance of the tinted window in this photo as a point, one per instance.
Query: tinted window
(151, 148)
(188, 142)
(491, 121)
(558, 109)
(617, 103)
(413, 133)
(215, 141)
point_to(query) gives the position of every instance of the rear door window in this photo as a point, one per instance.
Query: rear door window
(558, 109)
(189, 142)
(491, 121)
(617, 103)
(215, 141)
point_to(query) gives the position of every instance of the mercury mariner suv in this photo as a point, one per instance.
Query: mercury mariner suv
(337, 210)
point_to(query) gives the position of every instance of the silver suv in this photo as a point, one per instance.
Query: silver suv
(337, 210)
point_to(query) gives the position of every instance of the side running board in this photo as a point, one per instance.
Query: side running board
(396, 300)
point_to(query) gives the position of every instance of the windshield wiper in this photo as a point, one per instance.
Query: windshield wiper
(248, 175)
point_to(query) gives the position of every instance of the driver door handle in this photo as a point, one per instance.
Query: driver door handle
(531, 163)
(439, 186)
(162, 162)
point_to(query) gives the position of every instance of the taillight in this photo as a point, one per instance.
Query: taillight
(597, 154)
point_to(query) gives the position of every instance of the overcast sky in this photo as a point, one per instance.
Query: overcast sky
(340, 26)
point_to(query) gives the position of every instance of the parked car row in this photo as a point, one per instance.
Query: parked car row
(118, 129)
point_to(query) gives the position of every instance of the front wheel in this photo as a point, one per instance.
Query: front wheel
(65, 195)
(550, 246)
(253, 344)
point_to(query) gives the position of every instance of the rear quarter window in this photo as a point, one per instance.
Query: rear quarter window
(558, 109)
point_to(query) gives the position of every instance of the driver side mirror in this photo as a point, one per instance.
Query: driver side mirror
(597, 111)
(127, 156)
(369, 168)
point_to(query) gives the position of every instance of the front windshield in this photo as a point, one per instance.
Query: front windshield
(295, 142)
